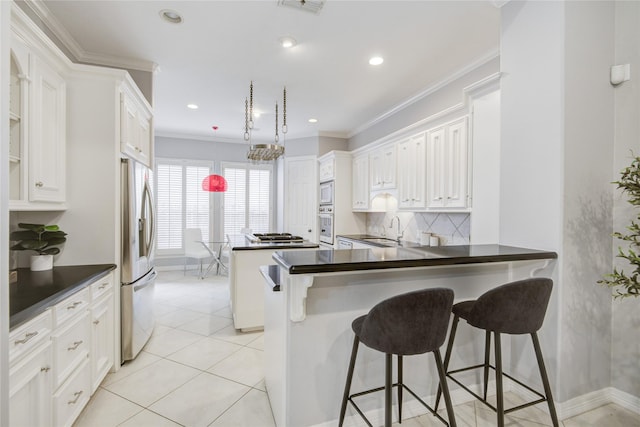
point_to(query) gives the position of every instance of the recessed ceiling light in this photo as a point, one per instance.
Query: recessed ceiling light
(313, 120)
(287, 41)
(376, 60)
(192, 106)
(171, 16)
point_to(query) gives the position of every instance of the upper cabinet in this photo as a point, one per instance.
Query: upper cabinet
(447, 165)
(360, 182)
(382, 163)
(37, 130)
(326, 169)
(136, 136)
(411, 173)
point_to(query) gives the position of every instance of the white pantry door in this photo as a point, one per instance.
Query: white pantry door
(301, 197)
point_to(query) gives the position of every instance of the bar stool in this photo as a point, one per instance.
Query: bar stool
(514, 308)
(407, 324)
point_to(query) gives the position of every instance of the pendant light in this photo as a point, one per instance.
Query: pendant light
(214, 183)
(263, 152)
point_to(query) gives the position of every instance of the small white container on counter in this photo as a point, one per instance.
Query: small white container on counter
(434, 241)
(425, 238)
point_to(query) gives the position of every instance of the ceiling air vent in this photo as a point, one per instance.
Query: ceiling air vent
(313, 6)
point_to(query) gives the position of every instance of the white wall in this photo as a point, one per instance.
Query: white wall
(625, 350)
(557, 133)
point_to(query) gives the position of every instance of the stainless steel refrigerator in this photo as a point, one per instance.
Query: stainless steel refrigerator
(137, 265)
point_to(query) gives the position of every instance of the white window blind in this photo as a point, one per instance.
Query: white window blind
(247, 201)
(169, 203)
(181, 203)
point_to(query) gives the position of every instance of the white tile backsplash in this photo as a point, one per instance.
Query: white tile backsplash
(451, 228)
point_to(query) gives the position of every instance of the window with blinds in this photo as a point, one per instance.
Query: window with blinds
(247, 201)
(181, 203)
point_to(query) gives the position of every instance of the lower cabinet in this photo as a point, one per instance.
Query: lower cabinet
(59, 358)
(30, 381)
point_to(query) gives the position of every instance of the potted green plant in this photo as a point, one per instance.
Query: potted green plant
(622, 284)
(43, 239)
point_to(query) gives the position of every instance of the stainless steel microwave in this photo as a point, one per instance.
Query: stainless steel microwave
(326, 193)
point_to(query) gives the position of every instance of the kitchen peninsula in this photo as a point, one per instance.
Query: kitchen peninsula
(313, 296)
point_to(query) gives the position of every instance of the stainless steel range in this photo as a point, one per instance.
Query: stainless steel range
(273, 238)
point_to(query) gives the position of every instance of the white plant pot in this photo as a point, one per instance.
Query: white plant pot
(41, 262)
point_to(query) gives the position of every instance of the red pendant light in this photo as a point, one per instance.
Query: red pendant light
(214, 183)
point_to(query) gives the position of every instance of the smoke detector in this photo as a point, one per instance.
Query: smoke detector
(313, 6)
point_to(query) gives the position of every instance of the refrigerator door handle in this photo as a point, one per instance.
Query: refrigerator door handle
(146, 240)
(148, 281)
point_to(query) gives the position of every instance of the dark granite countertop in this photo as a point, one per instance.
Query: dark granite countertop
(35, 291)
(326, 261)
(241, 243)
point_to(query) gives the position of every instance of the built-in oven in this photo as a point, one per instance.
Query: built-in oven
(325, 222)
(326, 193)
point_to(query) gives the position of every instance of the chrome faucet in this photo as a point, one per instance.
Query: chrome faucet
(399, 233)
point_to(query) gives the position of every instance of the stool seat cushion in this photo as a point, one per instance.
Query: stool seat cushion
(515, 308)
(411, 323)
(462, 309)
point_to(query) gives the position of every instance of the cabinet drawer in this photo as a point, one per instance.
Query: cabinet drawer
(27, 336)
(76, 303)
(71, 398)
(101, 287)
(70, 347)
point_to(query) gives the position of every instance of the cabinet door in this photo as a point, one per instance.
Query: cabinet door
(102, 335)
(411, 177)
(30, 389)
(375, 165)
(47, 133)
(456, 174)
(301, 197)
(436, 165)
(128, 126)
(360, 187)
(388, 166)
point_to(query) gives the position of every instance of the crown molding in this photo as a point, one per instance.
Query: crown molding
(495, 53)
(41, 10)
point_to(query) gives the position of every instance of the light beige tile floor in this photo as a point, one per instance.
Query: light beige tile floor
(197, 370)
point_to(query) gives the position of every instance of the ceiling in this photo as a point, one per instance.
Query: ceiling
(210, 58)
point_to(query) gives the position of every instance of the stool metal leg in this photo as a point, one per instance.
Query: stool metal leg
(388, 368)
(445, 389)
(400, 388)
(499, 391)
(487, 347)
(447, 355)
(545, 379)
(347, 386)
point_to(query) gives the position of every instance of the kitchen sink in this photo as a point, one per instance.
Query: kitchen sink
(382, 241)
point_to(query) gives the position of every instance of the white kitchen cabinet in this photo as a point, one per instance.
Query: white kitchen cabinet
(326, 169)
(30, 388)
(360, 183)
(30, 372)
(37, 130)
(383, 167)
(102, 330)
(72, 396)
(411, 172)
(136, 139)
(447, 165)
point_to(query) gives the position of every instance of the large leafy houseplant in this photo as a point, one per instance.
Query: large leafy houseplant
(625, 285)
(40, 238)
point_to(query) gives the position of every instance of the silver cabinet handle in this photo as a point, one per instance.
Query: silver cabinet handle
(96, 322)
(39, 184)
(104, 285)
(75, 345)
(74, 305)
(77, 395)
(45, 369)
(26, 338)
